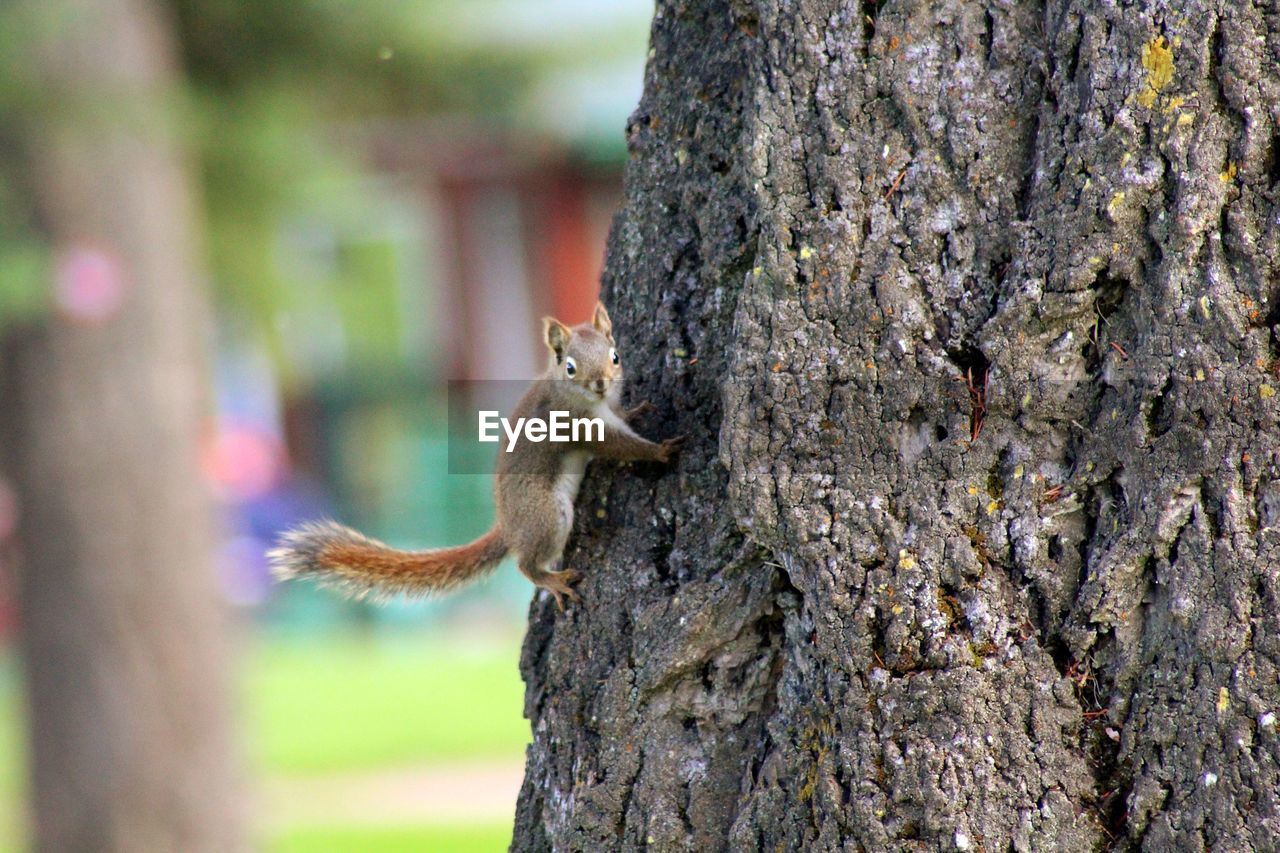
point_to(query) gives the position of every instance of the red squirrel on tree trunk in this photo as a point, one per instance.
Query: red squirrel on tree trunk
(535, 484)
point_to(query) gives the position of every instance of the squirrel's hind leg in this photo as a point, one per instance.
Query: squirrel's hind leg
(538, 541)
(539, 565)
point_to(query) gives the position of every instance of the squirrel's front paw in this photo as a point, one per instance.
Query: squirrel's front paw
(641, 408)
(671, 448)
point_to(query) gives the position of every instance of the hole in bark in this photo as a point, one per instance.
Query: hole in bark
(1177, 543)
(974, 373)
(1158, 417)
(660, 554)
(969, 358)
(1092, 357)
(988, 35)
(879, 642)
(999, 267)
(1108, 295)
(1118, 497)
(1263, 597)
(1055, 548)
(940, 433)
(1057, 650)
(1091, 505)
(1224, 226)
(1214, 512)
(1215, 57)
(870, 8)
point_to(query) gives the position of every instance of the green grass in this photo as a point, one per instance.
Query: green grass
(317, 704)
(340, 704)
(445, 839)
(12, 756)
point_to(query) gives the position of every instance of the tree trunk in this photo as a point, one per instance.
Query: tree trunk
(968, 310)
(122, 628)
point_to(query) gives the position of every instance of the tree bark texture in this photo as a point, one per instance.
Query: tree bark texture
(122, 627)
(970, 312)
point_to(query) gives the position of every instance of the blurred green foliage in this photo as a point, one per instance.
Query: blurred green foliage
(272, 91)
(394, 58)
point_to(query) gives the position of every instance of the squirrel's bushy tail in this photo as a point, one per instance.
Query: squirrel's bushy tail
(338, 556)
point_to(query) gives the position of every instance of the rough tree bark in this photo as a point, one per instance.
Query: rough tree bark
(879, 608)
(122, 631)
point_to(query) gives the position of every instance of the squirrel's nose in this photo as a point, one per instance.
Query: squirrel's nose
(600, 385)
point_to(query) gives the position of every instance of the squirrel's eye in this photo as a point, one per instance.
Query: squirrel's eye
(613, 356)
(570, 367)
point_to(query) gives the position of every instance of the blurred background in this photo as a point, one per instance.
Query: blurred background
(264, 234)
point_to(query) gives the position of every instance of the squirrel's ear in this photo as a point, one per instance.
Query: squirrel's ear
(556, 335)
(601, 321)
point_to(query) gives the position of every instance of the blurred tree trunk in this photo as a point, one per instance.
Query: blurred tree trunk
(969, 311)
(124, 638)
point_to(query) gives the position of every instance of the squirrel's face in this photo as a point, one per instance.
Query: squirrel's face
(585, 357)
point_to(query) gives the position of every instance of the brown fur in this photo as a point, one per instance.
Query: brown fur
(339, 556)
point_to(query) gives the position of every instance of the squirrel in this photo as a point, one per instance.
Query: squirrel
(535, 486)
